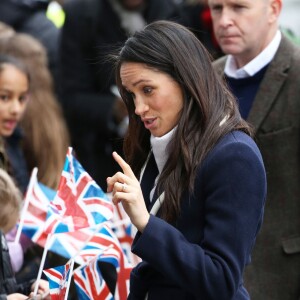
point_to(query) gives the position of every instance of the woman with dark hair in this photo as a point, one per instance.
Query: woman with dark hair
(199, 203)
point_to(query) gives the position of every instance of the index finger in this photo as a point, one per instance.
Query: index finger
(123, 164)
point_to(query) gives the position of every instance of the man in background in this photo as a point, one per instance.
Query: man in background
(262, 70)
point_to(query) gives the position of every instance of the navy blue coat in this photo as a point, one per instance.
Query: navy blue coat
(204, 253)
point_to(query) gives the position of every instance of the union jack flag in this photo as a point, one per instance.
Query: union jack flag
(105, 245)
(84, 244)
(90, 283)
(113, 253)
(87, 242)
(59, 280)
(38, 197)
(79, 202)
(122, 228)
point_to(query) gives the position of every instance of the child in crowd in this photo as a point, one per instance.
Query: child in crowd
(10, 202)
(14, 95)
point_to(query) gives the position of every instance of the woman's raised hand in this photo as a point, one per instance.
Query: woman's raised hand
(125, 188)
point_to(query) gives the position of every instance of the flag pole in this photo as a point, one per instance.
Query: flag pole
(49, 236)
(26, 203)
(69, 278)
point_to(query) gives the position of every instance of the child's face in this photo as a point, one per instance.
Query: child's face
(14, 96)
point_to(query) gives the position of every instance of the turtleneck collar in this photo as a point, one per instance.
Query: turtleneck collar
(159, 148)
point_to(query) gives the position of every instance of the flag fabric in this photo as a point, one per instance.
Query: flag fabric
(39, 197)
(122, 228)
(59, 280)
(113, 253)
(89, 282)
(79, 202)
(85, 244)
(68, 244)
(123, 272)
(105, 246)
(115, 256)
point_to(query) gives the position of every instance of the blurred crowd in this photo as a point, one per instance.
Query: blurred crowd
(70, 97)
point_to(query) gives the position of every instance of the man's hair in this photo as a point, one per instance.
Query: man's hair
(10, 198)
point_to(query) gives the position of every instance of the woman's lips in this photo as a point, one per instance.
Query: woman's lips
(149, 122)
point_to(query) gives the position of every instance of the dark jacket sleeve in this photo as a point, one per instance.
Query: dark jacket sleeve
(232, 185)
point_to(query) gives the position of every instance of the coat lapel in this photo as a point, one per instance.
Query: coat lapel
(271, 84)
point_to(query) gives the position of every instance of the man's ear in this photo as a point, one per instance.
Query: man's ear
(275, 7)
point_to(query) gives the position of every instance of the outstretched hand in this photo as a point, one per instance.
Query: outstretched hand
(125, 188)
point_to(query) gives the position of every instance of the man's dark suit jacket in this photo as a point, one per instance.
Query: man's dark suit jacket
(274, 273)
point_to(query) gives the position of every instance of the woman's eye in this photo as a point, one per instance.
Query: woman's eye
(147, 90)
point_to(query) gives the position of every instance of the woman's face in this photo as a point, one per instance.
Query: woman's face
(158, 99)
(14, 88)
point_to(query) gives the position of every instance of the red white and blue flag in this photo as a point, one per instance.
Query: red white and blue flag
(84, 244)
(90, 284)
(34, 217)
(59, 280)
(122, 228)
(105, 246)
(79, 202)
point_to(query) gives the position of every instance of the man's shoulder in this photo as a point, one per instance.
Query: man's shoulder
(287, 54)
(219, 64)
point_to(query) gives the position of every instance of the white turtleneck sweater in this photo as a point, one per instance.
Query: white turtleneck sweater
(159, 148)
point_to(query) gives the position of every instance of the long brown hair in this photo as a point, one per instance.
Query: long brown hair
(46, 137)
(171, 48)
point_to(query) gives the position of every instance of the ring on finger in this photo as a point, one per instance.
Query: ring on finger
(124, 187)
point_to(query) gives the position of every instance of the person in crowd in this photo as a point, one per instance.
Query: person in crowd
(10, 202)
(262, 70)
(95, 114)
(14, 96)
(200, 23)
(29, 16)
(199, 203)
(46, 137)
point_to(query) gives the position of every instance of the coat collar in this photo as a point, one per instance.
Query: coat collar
(271, 84)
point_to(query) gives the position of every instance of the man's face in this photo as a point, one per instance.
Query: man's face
(132, 4)
(243, 28)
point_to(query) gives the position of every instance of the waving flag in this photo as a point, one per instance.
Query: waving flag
(113, 254)
(90, 284)
(85, 244)
(123, 278)
(59, 280)
(34, 216)
(79, 201)
(122, 228)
